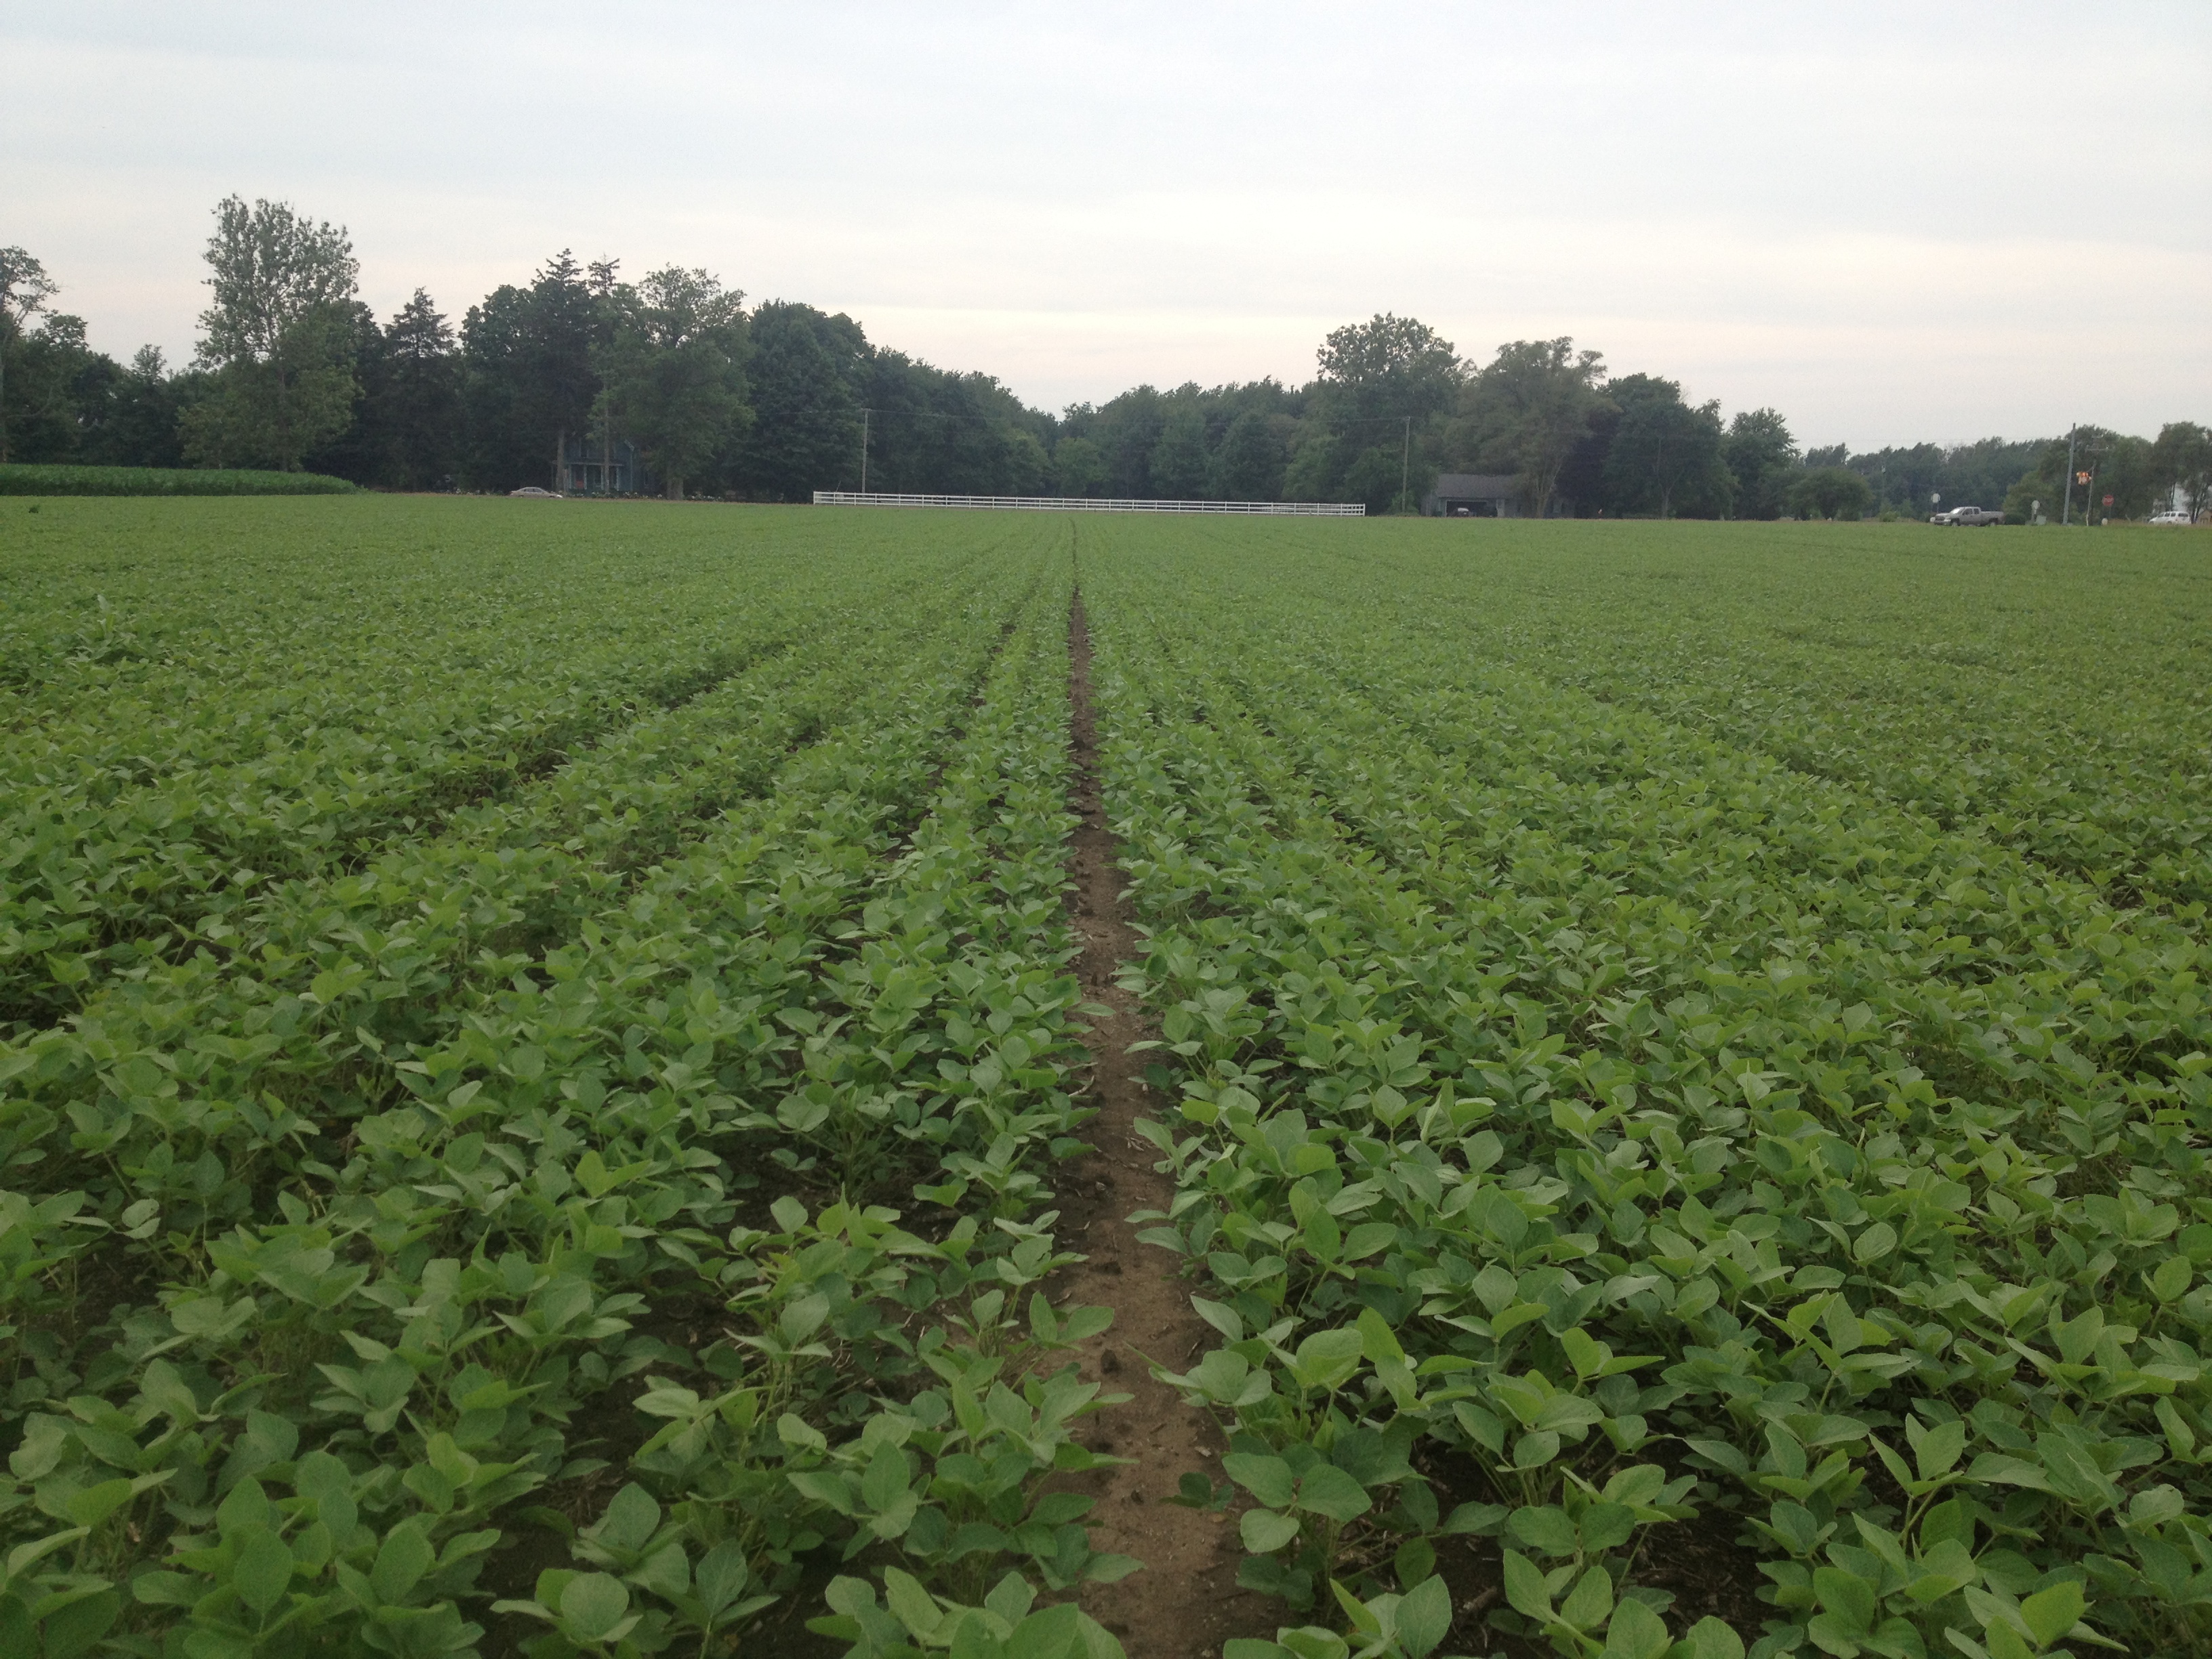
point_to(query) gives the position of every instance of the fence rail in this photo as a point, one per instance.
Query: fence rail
(1089, 504)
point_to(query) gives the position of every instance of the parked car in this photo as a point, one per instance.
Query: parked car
(1966, 515)
(2180, 519)
(533, 492)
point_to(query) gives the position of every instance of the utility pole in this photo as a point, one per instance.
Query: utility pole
(2066, 515)
(865, 413)
(1406, 466)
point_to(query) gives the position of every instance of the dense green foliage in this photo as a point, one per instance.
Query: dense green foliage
(1663, 1028)
(31, 480)
(534, 1048)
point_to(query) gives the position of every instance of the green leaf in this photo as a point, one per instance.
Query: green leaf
(720, 1577)
(1605, 1526)
(1589, 1601)
(2051, 1613)
(1549, 1529)
(797, 1433)
(263, 1572)
(1367, 1238)
(1533, 1452)
(1848, 1598)
(1268, 1479)
(1524, 1586)
(1636, 1633)
(1709, 1638)
(404, 1556)
(885, 1481)
(1326, 1489)
(1223, 1317)
(1875, 1243)
(1377, 1341)
(1584, 1352)
(913, 1606)
(1265, 1532)
(592, 1604)
(1480, 1519)
(1425, 1617)
(631, 1519)
(1937, 1449)
(1326, 1358)
(71, 1630)
(1010, 1598)
(94, 1504)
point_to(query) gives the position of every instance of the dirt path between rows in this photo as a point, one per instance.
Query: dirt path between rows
(1185, 1603)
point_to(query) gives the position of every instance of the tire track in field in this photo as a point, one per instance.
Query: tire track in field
(1185, 1603)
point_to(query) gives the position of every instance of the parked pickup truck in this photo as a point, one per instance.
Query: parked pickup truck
(1967, 515)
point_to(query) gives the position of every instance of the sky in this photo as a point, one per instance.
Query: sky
(1894, 222)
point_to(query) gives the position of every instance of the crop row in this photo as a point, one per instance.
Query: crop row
(1941, 682)
(1601, 1126)
(126, 833)
(533, 1180)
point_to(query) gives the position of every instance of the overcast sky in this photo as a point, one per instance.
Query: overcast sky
(1892, 221)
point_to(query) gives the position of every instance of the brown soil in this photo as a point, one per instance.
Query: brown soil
(1185, 1603)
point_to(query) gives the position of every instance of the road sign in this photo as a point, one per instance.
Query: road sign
(2108, 501)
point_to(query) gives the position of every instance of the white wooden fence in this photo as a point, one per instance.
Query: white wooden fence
(1089, 504)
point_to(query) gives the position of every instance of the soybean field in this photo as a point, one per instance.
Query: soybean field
(611, 1081)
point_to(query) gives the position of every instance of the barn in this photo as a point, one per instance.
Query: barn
(1474, 495)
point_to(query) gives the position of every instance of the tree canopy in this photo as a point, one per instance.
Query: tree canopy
(672, 370)
(25, 287)
(1527, 409)
(773, 401)
(1665, 456)
(278, 335)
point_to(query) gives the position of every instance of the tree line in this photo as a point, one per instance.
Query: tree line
(293, 372)
(776, 400)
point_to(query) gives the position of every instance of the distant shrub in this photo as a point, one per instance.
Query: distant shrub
(164, 481)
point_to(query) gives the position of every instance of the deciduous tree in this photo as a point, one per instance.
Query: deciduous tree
(1666, 455)
(1829, 492)
(277, 335)
(672, 372)
(1248, 465)
(1761, 457)
(1388, 371)
(25, 287)
(527, 370)
(1526, 409)
(1078, 468)
(2181, 460)
(419, 417)
(1388, 367)
(801, 374)
(1179, 463)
